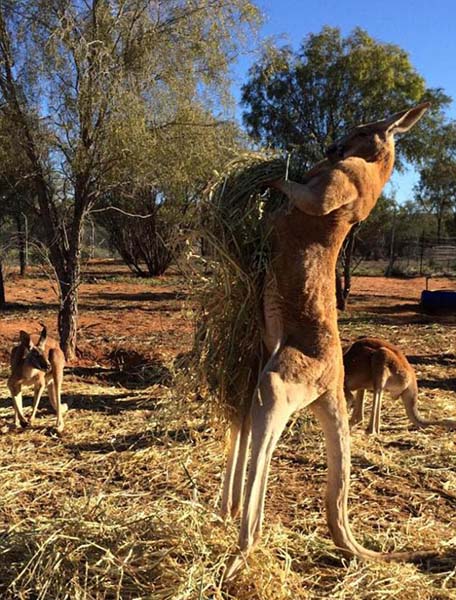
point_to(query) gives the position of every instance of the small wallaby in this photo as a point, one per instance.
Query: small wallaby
(37, 361)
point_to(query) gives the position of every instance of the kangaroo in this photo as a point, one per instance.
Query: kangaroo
(377, 365)
(305, 367)
(37, 362)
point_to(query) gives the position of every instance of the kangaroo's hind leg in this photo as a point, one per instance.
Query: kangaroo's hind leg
(380, 374)
(331, 412)
(233, 485)
(358, 408)
(271, 408)
(57, 373)
(38, 392)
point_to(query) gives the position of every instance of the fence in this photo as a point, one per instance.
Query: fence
(424, 256)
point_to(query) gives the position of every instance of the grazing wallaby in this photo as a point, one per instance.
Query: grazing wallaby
(305, 365)
(377, 365)
(38, 362)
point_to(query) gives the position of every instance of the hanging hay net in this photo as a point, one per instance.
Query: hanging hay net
(235, 232)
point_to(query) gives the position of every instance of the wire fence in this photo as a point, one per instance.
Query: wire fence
(424, 256)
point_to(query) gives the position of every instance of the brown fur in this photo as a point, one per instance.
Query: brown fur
(377, 365)
(37, 361)
(305, 365)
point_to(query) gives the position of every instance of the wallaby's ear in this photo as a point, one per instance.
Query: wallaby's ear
(25, 339)
(403, 121)
(43, 336)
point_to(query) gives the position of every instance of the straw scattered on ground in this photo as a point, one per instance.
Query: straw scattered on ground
(125, 504)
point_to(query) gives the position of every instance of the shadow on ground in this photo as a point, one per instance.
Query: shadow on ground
(448, 383)
(137, 377)
(445, 359)
(141, 296)
(108, 403)
(138, 441)
(441, 563)
(104, 403)
(20, 307)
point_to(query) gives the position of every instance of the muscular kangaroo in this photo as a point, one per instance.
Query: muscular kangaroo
(305, 365)
(377, 365)
(38, 362)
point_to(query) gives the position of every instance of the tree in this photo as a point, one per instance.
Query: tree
(15, 205)
(142, 239)
(393, 231)
(436, 188)
(303, 101)
(191, 155)
(300, 102)
(89, 87)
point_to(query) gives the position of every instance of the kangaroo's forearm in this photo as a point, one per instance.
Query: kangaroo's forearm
(303, 197)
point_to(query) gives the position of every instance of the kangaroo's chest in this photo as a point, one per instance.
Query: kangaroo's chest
(31, 376)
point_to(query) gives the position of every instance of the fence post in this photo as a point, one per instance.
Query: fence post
(23, 242)
(389, 269)
(421, 252)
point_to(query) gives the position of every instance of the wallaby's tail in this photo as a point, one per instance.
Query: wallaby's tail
(409, 398)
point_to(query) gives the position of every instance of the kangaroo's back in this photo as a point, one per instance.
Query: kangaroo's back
(373, 362)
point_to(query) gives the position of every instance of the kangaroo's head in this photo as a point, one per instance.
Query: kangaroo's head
(34, 356)
(374, 141)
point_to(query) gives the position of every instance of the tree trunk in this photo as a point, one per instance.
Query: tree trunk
(69, 283)
(439, 224)
(22, 239)
(68, 312)
(392, 256)
(343, 282)
(341, 304)
(68, 320)
(2, 288)
(69, 287)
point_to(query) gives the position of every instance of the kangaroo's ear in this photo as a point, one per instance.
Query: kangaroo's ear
(403, 121)
(25, 339)
(43, 336)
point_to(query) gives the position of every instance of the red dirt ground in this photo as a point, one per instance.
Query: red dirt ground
(150, 316)
(141, 314)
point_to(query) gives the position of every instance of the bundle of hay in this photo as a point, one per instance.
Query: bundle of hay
(236, 234)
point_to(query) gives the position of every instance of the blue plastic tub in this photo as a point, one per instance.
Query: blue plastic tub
(438, 300)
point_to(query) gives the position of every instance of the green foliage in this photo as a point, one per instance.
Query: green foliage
(121, 88)
(302, 101)
(184, 155)
(408, 220)
(16, 201)
(436, 189)
(117, 76)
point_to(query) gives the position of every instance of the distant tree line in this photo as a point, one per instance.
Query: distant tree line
(393, 229)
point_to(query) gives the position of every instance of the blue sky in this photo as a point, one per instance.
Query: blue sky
(426, 30)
